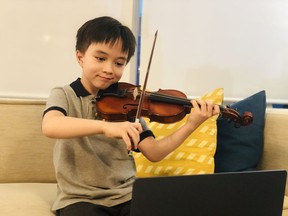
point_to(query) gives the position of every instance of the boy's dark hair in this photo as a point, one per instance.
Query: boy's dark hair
(105, 30)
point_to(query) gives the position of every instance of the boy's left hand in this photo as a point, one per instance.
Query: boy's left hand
(203, 109)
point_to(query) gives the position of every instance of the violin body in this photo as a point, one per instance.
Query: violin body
(120, 103)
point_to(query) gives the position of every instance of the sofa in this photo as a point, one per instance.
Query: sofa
(27, 179)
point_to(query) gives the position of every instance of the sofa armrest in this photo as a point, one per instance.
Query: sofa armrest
(275, 154)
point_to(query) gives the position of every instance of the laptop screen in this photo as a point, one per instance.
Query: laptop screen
(222, 194)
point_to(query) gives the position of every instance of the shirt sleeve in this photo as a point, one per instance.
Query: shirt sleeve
(57, 100)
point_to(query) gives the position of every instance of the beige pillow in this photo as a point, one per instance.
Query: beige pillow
(194, 156)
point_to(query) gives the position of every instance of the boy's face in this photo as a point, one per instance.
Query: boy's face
(102, 65)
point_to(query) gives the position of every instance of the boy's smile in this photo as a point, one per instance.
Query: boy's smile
(102, 65)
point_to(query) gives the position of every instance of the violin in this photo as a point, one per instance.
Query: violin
(120, 101)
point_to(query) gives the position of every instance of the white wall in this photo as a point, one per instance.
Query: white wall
(37, 41)
(240, 45)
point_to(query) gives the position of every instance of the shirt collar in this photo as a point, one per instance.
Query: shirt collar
(79, 89)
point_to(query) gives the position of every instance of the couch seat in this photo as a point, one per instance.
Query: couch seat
(33, 199)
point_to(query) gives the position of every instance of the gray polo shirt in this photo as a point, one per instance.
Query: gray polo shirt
(93, 169)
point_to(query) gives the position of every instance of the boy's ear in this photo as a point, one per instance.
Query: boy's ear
(79, 56)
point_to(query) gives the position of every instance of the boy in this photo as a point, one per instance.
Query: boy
(93, 169)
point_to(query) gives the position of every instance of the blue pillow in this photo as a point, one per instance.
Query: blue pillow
(240, 149)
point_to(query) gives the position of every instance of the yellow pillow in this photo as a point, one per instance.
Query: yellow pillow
(194, 156)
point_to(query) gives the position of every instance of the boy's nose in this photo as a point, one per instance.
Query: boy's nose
(108, 67)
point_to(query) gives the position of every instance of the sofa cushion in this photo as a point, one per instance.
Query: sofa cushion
(194, 156)
(285, 205)
(240, 149)
(25, 154)
(33, 199)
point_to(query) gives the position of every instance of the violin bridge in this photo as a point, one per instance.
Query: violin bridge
(135, 93)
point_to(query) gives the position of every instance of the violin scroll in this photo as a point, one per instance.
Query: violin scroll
(231, 114)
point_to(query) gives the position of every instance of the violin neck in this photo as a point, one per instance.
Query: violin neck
(169, 99)
(176, 100)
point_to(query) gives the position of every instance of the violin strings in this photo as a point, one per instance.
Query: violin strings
(165, 96)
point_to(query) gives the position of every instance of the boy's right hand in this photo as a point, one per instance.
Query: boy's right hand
(128, 131)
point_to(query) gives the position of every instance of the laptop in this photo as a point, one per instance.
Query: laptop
(222, 194)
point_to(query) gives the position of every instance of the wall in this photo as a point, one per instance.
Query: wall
(37, 41)
(240, 45)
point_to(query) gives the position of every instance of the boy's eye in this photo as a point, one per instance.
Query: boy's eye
(120, 64)
(100, 59)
